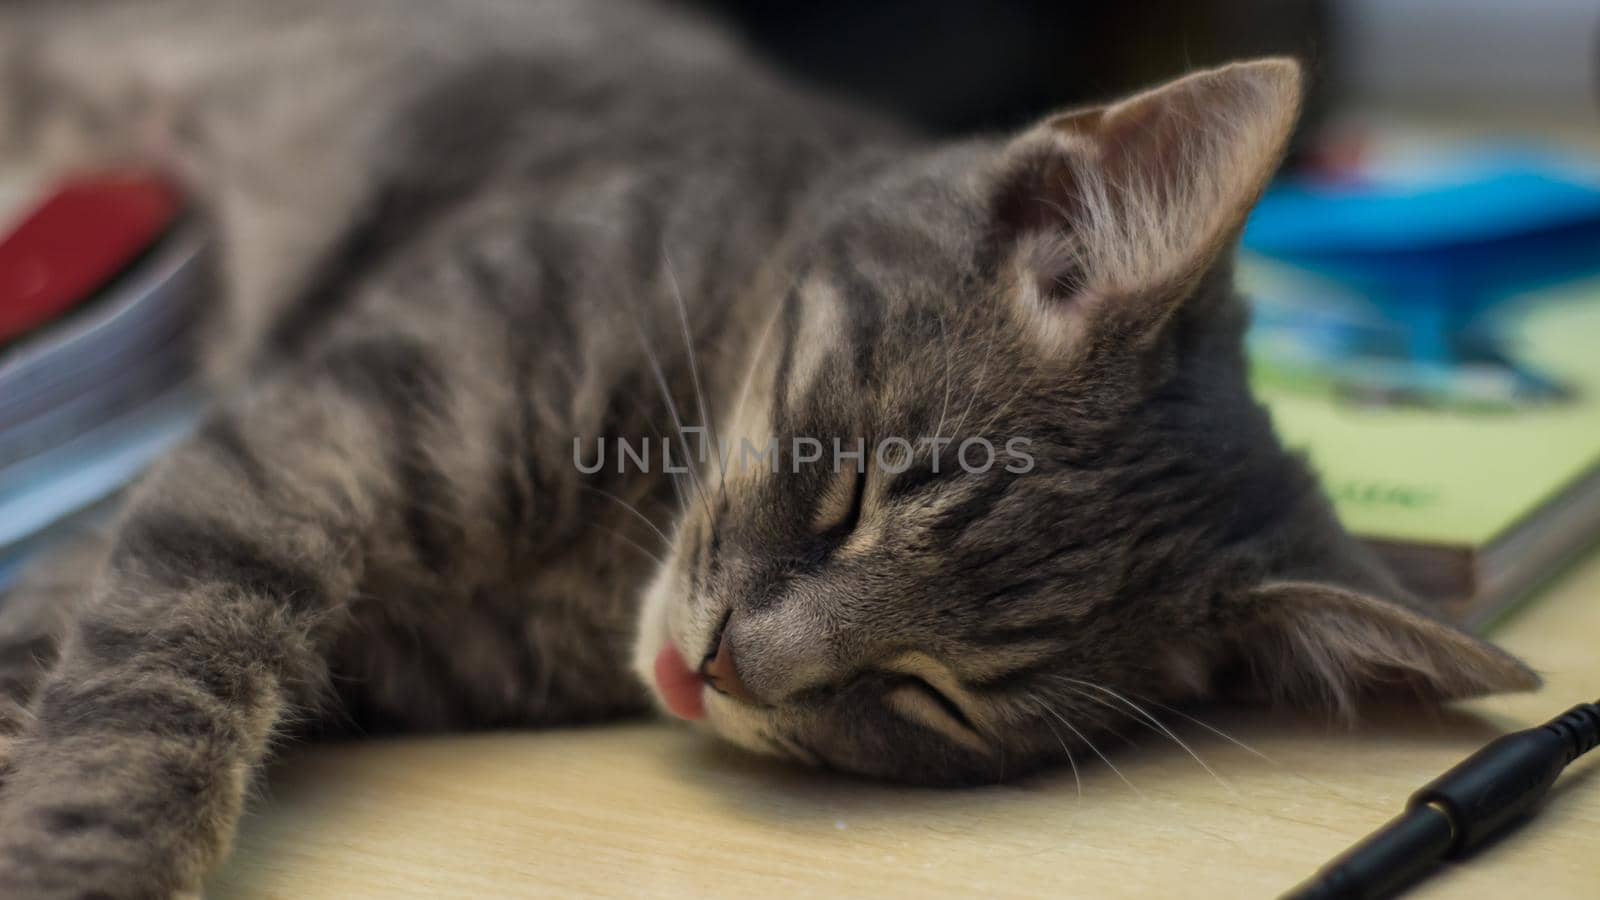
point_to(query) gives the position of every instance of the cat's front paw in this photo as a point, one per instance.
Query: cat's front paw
(32, 881)
(53, 854)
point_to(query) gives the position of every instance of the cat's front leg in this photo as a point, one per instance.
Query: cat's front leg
(209, 632)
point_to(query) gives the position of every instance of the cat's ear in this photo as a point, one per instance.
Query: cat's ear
(1314, 644)
(1117, 211)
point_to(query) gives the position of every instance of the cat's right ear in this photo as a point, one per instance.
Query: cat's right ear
(1108, 217)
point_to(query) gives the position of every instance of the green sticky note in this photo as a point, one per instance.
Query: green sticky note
(1458, 476)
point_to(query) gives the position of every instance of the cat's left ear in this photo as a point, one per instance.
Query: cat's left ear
(1109, 216)
(1321, 645)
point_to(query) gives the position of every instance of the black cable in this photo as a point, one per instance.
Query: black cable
(1458, 811)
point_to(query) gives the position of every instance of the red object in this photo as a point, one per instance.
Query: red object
(681, 689)
(1339, 157)
(76, 241)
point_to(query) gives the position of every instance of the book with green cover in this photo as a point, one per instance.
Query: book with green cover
(1473, 499)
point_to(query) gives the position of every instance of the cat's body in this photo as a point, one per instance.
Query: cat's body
(533, 221)
(458, 237)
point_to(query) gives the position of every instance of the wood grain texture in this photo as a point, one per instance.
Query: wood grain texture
(656, 810)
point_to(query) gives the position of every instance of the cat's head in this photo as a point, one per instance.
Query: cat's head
(1131, 532)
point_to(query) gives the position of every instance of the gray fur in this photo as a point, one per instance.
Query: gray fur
(456, 237)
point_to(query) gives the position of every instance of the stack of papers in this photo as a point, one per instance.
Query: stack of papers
(91, 395)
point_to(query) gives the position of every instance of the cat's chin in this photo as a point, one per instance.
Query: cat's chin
(746, 728)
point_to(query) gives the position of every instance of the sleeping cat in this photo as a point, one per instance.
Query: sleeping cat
(468, 249)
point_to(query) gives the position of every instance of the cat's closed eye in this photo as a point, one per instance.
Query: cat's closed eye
(840, 511)
(919, 701)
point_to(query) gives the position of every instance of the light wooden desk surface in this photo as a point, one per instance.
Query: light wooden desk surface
(655, 810)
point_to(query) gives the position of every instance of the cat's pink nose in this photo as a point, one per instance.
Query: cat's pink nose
(721, 671)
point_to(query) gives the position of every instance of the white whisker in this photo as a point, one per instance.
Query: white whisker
(1320, 785)
(632, 543)
(1070, 761)
(694, 366)
(755, 361)
(1214, 730)
(1091, 746)
(630, 508)
(672, 407)
(944, 340)
(676, 480)
(1155, 723)
(983, 374)
(1021, 389)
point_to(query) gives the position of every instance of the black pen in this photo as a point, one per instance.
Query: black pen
(1456, 812)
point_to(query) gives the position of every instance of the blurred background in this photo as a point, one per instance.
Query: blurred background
(960, 65)
(1425, 273)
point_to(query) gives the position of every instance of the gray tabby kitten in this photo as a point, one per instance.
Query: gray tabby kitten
(457, 238)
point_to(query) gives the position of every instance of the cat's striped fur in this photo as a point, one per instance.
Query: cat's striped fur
(456, 237)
